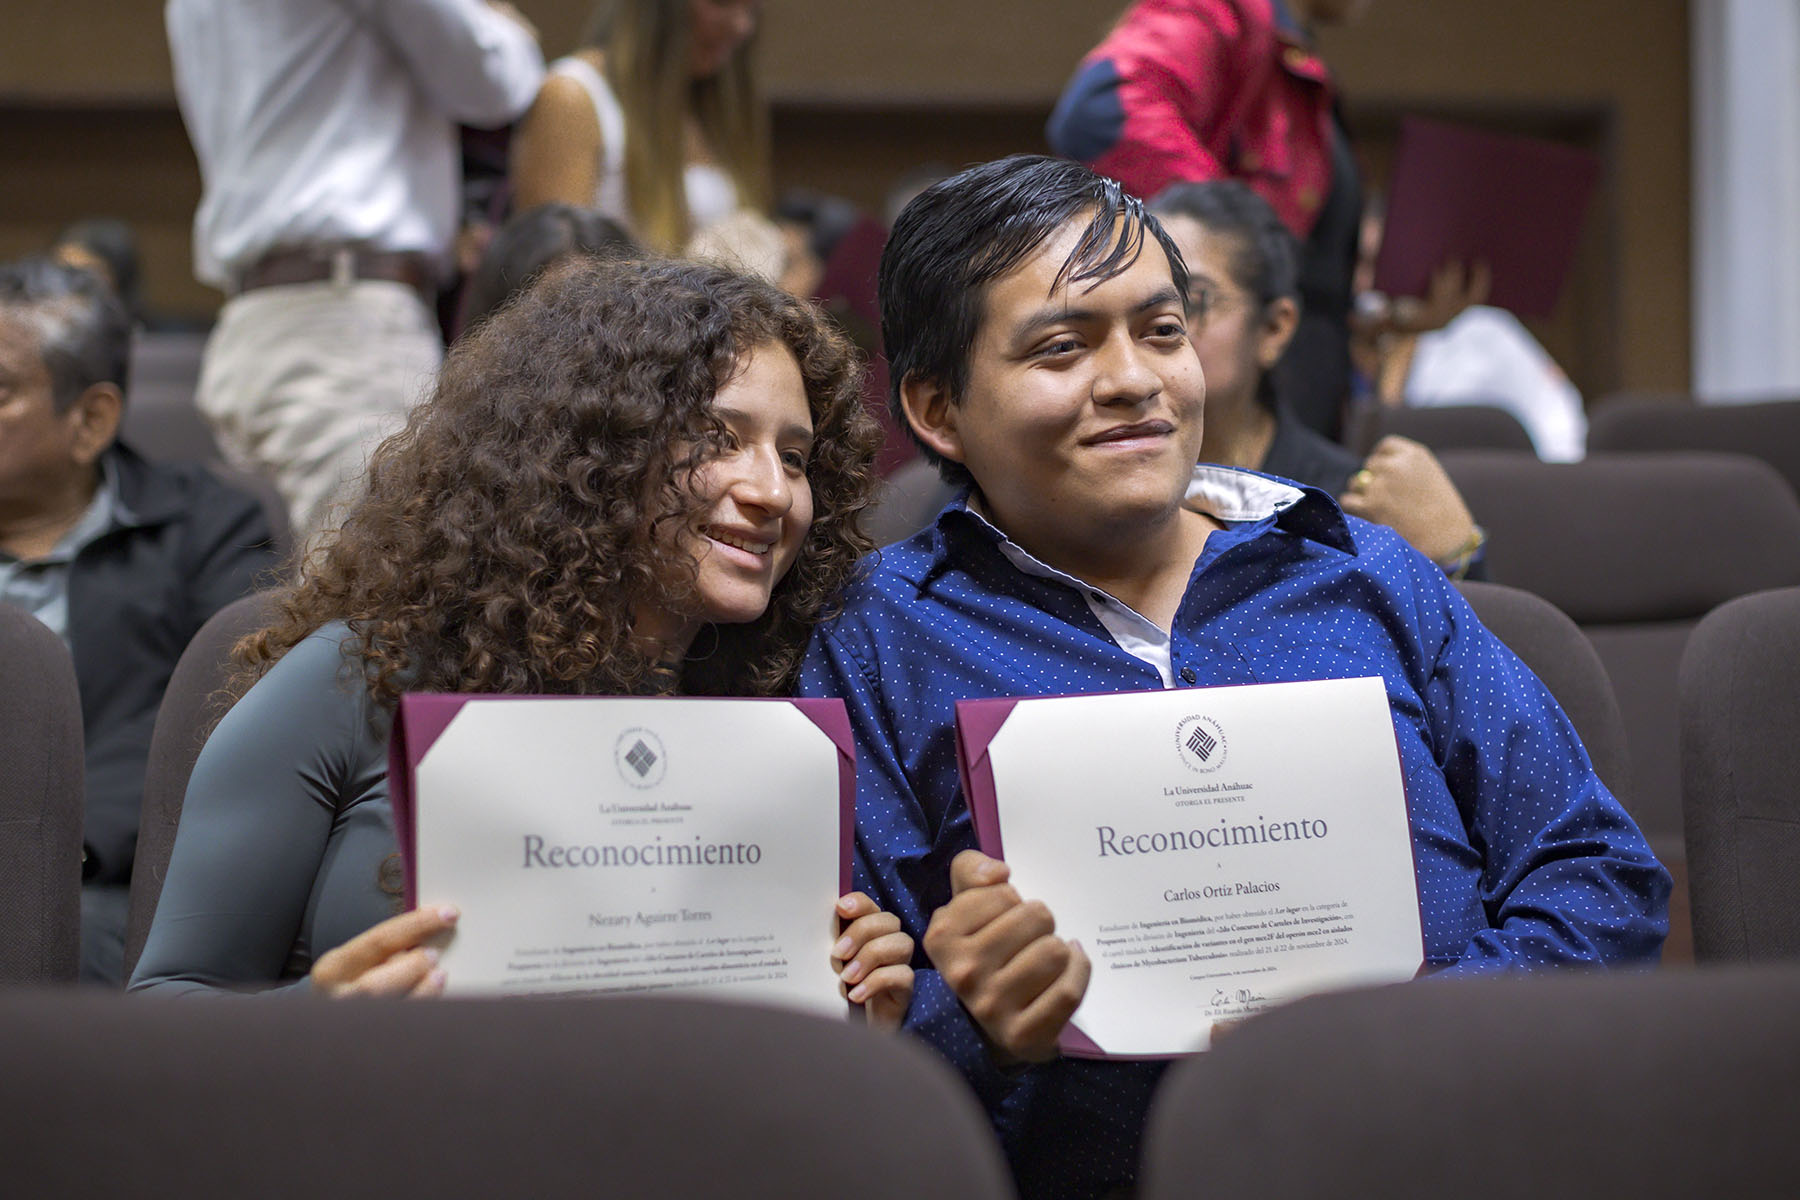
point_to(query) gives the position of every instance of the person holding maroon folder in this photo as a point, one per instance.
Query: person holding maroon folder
(636, 478)
(1243, 307)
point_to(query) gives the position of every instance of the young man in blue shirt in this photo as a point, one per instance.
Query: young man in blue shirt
(1035, 324)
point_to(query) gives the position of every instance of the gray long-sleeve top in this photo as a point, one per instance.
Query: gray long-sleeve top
(284, 832)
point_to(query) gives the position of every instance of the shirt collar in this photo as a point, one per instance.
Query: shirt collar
(100, 517)
(1231, 495)
(103, 515)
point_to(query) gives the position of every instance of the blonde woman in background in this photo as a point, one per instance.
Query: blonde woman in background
(655, 122)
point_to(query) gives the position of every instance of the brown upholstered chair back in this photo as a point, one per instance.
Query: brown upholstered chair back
(1740, 760)
(1636, 548)
(274, 508)
(191, 706)
(161, 422)
(1451, 427)
(1769, 431)
(41, 803)
(629, 1097)
(1658, 1086)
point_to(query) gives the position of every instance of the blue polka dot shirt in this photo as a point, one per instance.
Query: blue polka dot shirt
(1524, 859)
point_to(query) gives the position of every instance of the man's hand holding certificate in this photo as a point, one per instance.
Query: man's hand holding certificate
(618, 845)
(1206, 853)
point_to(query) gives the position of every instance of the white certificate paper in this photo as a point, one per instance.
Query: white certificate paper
(602, 845)
(1215, 850)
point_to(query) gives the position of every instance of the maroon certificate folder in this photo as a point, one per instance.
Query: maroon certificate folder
(977, 721)
(422, 718)
(1468, 196)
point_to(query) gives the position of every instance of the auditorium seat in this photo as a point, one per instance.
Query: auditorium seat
(160, 420)
(1450, 427)
(1558, 653)
(274, 508)
(1769, 431)
(1561, 655)
(1658, 1086)
(40, 804)
(191, 705)
(1636, 548)
(466, 1099)
(1740, 758)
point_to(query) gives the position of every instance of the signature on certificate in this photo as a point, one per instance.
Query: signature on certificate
(1224, 997)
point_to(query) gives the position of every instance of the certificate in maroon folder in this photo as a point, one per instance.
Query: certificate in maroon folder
(1462, 195)
(423, 717)
(1216, 850)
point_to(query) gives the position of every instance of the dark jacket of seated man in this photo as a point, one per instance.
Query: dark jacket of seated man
(182, 546)
(1033, 319)
(124, 559)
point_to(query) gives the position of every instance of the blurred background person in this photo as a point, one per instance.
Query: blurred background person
(813, 225)
(656, 121)
(530, 242)
(123, 559)
(107, 247)
(1476, 355)
(1485, 355)
(1243, 309)
(1188, 90)
(328, 148)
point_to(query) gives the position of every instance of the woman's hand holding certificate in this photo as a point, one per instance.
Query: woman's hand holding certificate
(389, 959)
(873, 961)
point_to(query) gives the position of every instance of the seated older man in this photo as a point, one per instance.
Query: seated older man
(1035, 323)
(124, 559)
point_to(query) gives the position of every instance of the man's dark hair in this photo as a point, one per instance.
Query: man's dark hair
(961, 234)
(84, 335)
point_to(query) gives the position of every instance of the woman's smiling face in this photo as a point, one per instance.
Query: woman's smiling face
(1237, 337)
(756, 504)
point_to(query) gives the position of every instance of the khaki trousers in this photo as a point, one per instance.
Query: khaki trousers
(301, 382)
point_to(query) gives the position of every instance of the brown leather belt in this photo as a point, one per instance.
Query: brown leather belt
(342, 264)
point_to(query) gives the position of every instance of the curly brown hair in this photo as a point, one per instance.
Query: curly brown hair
(509, 532)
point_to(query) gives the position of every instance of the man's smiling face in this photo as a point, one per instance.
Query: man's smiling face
(1082, 414)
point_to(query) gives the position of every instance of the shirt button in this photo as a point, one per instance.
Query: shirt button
(1187, 675)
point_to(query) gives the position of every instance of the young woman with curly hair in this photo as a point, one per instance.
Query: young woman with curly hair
(635, 478)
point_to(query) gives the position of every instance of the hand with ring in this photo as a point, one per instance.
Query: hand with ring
(1403, 485)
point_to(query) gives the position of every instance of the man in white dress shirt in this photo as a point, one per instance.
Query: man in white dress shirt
(327, 137)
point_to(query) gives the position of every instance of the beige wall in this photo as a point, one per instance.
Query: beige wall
(863, 90)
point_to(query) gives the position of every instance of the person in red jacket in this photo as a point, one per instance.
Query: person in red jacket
(1208, 89)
